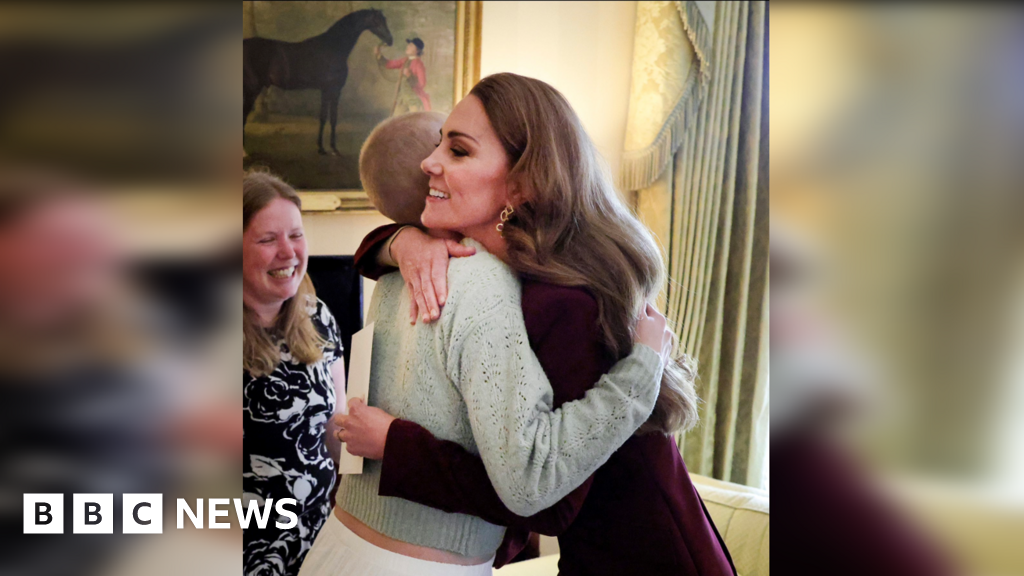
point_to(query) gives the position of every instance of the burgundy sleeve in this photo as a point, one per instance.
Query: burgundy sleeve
(444, 475)
(366, 256)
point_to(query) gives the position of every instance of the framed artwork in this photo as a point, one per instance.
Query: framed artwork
(318, 76)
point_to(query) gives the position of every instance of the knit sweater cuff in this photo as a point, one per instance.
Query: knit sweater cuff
(645, 352)
(645, 366)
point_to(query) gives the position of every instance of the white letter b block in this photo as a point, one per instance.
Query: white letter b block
(43, 514)
(93, 514)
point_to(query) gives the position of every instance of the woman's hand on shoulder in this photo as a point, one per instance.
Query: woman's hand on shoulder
(652, 329)
(423, 262)
(364, 430)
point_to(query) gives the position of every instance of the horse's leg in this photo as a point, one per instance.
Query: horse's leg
(335, 96)
(324, 106)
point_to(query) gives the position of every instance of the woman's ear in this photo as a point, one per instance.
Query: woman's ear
(517, 192)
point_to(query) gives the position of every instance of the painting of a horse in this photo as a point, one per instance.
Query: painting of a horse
(320, 62)
(307, 63)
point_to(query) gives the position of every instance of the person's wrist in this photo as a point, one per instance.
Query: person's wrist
(391, 243)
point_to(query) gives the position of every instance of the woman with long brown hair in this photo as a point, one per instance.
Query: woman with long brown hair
(292, 376)
(588, 268)
(471, 378)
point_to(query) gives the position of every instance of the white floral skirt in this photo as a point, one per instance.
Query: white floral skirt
(337, 551)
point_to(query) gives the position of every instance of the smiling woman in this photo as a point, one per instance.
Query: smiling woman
(273, 245)
(273, 270)
(293, 376)
(584, 270)
(468, 173)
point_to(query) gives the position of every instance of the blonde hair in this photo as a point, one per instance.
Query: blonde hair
(570, 227)
(260, 351)
(389, 164)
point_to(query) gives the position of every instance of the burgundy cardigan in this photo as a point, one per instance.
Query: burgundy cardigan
(638, 514)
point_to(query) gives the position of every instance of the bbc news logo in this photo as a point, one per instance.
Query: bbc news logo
(143, 513)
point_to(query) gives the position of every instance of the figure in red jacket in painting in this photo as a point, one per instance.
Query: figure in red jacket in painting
(414, 97)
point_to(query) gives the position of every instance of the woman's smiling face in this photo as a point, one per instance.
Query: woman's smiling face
(468, 176)
(273, 255)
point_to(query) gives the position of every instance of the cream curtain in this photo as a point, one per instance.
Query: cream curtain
(696, 162)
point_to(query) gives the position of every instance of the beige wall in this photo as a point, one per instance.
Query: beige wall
(339, 233)
(584, 49)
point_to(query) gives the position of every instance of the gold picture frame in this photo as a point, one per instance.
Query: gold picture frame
(467, 74)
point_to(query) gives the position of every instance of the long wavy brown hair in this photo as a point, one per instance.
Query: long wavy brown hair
(571, 228)
(260, 351)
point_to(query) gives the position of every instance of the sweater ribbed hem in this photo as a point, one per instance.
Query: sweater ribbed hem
(414, 523)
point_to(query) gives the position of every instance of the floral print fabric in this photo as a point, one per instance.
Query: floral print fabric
(284, 416)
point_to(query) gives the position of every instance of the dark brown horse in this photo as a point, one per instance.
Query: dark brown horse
(319, 62)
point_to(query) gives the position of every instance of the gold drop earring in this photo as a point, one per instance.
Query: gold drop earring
(506, 213)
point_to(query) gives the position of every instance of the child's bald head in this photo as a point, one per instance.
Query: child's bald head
(389, 164)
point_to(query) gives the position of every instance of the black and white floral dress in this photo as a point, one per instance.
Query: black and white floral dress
(284, 418)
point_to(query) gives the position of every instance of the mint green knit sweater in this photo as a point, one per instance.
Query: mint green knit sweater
(471, 378)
